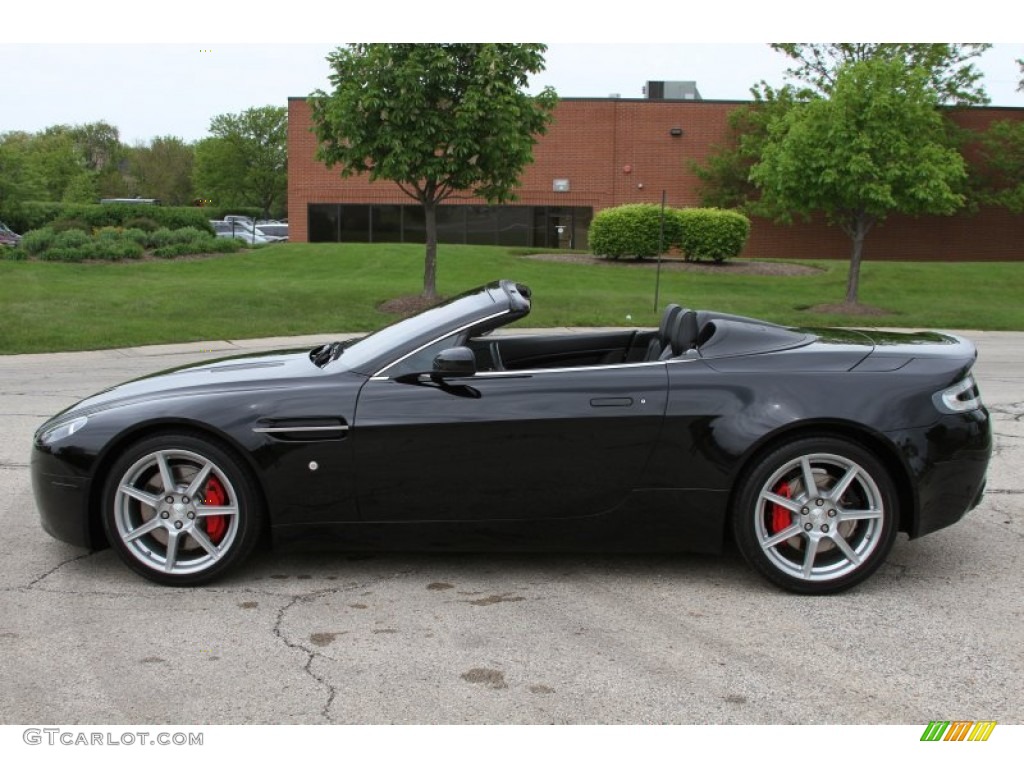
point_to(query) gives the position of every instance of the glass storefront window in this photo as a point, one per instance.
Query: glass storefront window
(481, 225)
(451, 224)
(514, 225)
(414, 224)
(355, 223)
(386, 222)
(323, 223)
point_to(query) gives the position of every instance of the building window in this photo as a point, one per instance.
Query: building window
(323, 223)
(355, 223)
(539, 226)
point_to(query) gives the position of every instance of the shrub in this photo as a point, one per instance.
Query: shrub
(63, 225)
(175, 249)
(71, 238)
(37, 241)
(116, 251)
(37, 215)
(700, 233)
(160, 238)
(224, 245)
(33, 215)
(17, 253)
(136, 236)
(65, 252)
(188, 235)
(632, 230)
(61, 253)
(710, 233)
(144, 223)
(109, 235)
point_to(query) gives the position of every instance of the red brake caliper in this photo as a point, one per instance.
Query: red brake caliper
(781, 518)
(215, 496)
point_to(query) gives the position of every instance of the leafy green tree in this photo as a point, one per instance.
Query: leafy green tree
(949, 67)
(999, 168)
(99, 144)
(53, 162)
(877, 146)
(163, 169)
(103, 156)
(81, 189)
(439, 120)
(724, 175)
(245, 160)
(12, 178)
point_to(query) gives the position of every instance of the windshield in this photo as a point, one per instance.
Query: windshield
(372, 352)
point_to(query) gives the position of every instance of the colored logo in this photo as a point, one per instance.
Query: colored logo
(958, 730)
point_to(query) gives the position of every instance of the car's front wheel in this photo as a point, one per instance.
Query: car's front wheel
(816, 515)
(180, 509)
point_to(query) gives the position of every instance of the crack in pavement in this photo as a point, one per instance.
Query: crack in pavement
(57, 567)
(312, 655)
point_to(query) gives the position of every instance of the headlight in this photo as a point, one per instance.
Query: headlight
(62, 430)
(961, 397)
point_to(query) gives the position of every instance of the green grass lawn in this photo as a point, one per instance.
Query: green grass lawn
(327, 288)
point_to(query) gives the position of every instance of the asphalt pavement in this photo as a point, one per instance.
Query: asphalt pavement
(937, 633)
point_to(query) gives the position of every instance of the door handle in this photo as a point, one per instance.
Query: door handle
(611, 402)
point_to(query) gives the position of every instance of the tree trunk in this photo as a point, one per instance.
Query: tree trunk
(430, 261)
(858, 231)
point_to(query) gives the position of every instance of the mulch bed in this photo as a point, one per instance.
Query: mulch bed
(777, 268)
(408, 305)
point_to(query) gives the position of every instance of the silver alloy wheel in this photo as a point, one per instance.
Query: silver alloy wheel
(819, 517)
(176, 512)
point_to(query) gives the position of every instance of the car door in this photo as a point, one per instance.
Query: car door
(505, 445)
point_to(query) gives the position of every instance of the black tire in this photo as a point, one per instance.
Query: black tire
(841, 531)
(180, 509)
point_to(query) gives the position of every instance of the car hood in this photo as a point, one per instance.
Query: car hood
(262, 371)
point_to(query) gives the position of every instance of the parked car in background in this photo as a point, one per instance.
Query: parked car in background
(275, 232)
(8, 236)
(239, 231)
(247, 220)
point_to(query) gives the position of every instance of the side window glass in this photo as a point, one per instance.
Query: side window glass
(421, 361)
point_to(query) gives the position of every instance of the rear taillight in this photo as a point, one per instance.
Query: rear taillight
(961, 397)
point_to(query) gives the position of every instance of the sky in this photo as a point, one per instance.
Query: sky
(165, 82)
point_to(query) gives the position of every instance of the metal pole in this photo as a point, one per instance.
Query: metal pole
(661, 248)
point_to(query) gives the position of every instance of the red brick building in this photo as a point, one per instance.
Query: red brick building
(601, 153)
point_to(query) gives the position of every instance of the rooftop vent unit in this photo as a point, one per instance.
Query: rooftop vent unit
(672, 89)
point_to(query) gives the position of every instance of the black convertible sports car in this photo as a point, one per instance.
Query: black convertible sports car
(812, 447)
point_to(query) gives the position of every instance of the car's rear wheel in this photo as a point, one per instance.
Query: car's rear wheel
(180, 509)
(816, 515)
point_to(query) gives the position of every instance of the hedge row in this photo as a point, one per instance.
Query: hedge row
(635, 231)
(114, 244)
(31, 216)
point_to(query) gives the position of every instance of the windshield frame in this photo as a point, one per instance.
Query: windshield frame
(491, 305)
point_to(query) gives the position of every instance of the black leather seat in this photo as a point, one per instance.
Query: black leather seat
(662, 339)
(683, 336)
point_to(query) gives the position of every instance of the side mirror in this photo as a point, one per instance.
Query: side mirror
(456, 361)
